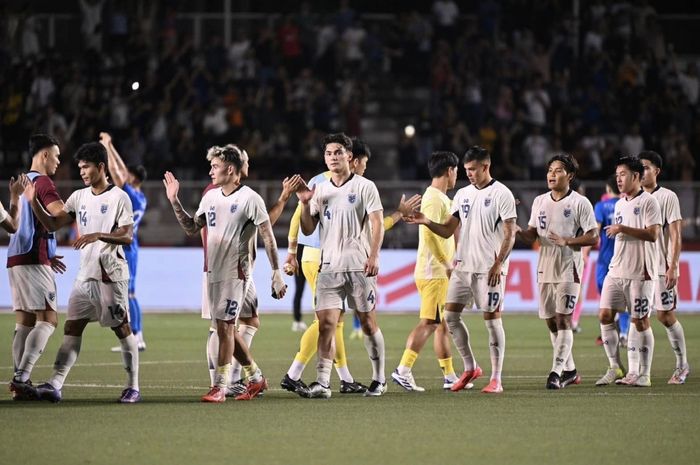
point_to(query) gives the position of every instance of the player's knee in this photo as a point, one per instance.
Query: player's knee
(666, 318)
(606, 316)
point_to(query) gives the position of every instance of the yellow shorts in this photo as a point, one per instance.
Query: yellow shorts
(433, 293)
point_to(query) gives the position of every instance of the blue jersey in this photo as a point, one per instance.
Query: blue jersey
(138, 204)
(604, 214)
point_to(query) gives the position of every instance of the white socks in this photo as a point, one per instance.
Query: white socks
(222, 376)
(611, 342)
(130, 356)
(65, 359)
(212, 353)
(460, 336)
(497, 346)
(323, 371)
(375, 349)
(562, 342)
(633, 349)
(247, 333)
(295, 370)
(18, 341)
(676, 337)
(344, 374)
(646, 351)
(34, 347)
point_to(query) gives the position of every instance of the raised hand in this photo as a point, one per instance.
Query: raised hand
(291, 185)
(17, 185)
(172, 186)
(408, 207)
(305, 194)
(105, 139)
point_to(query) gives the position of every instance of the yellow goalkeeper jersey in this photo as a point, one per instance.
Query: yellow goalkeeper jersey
(434, 251)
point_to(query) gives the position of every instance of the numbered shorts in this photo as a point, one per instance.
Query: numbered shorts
(665, 298)
(33, 288)
(469, 289)
(94, 300)
(558, 298)
(226, 298)
(359, 290)
(433, 293)
(633, 295)
(250, 301)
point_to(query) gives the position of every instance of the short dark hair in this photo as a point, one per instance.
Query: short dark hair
(92, 152)
(611, 182)
(337, 138)
(569, 162)
(360, 149)
(476, 153)
(633, 164)
(440, 162)
(653, 157)
(38, 142)
(229, 154)
(139, 171)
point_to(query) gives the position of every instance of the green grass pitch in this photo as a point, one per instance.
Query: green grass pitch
(525, 425)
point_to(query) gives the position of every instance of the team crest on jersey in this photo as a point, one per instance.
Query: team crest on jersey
(103, 208)
(567, 212)
(487, 202)
(234, 207)
(52, 296)
(352, 198)
(637, 210)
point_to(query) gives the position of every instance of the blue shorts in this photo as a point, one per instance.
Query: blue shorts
(600, 273)
(132, 259)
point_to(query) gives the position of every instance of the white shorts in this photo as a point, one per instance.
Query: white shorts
(359, 290)
(94, 300)
(225, 298)
(250, 301)
(665, 299)
(558, 298)
(633, 295)
(468, 289)
(33, 288)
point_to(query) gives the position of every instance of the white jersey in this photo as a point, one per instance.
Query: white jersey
(232, 222)
(570, 216)
(634, 258)
(101, 213)
(670, 213)
(3, 213)
(343, 222)
(482, 213)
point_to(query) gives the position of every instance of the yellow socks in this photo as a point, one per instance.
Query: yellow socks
(308, 344)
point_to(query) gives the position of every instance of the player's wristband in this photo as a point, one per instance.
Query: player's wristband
(292, 250)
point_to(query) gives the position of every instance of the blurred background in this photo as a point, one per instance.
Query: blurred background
(524, 79)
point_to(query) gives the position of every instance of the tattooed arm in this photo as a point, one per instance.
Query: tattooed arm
(189, 224)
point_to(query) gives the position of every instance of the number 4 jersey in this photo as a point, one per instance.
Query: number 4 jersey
(101, 213)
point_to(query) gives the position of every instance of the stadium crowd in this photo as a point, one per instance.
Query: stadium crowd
(511, 76)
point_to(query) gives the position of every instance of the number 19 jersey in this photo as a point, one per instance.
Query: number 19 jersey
(482, 213)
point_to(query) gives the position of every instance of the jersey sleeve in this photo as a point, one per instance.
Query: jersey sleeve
(315, 203)
(256, 210)
(70, 205)
(506, 207)
(587, 217)
(125, 214)
(434, 210)
(652, 212)
(532, 223)
(3, 213)
(201, 209)
(454, 211)
(46, 190)
(673, 209)
(373, 201)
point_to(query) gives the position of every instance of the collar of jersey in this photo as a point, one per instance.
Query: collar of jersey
(109, 188)
(491, 182)
(232, 192)
(565, 196)
(352, 175)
